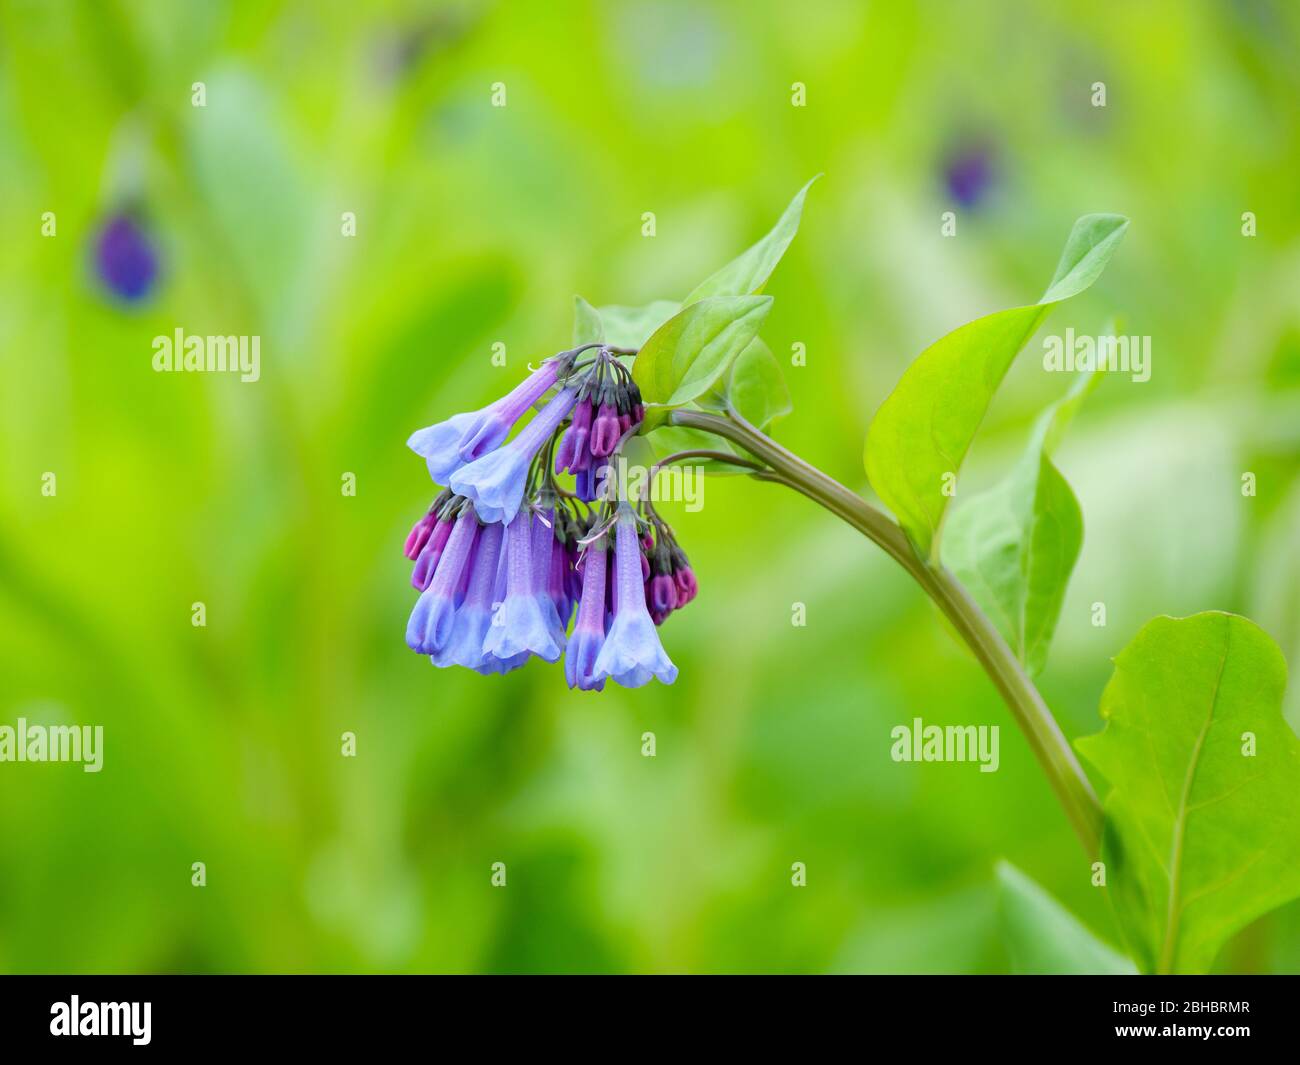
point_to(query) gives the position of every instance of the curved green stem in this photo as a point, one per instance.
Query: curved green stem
(1048, 743)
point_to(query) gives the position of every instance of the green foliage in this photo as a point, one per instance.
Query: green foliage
(690, 351)
(923, 430)
(754, 388)
(631, 327)
(748, 273)
(1015, 545)
(1203, 814)
(588, 325)
(1043, 937)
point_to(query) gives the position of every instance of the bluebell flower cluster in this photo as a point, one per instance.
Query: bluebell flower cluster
(512, 565)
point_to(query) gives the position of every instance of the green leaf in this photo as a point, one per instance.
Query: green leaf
(1015, 546)
(588, 326)
(690, 351)
(755, 388)
(631, 327)
(924, 428)
(1043, 937)
(1203, 815)
(746, 275)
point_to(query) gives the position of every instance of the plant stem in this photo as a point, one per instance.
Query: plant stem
(1048, 743)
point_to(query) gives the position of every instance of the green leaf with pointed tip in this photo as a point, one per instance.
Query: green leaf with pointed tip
(1043, 937)
(924, 428)
(588, 326)
(631, 327)
(1015, 546)
(1203, 815)
(690, 351)
(746, 275)
(755, 388)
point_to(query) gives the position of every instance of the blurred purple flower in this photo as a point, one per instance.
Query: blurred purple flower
(125, 258)
(968, 173)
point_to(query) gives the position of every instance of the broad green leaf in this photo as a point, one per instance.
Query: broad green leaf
(746, 275)
(923, 430)
(1015, 546)
(1043, 937)
(755, 388)
(588, 327)
(631, 327)
(690, 351)
(1203, 814)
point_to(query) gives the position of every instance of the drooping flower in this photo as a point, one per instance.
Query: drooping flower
(968, 172)
(589, 630)
(463, 438)
(543, 547)
(498, 556)
(518, 626)
(426, 562)
(605, 431)
(430, 624)
(574, 453)
(125, 259)
(420, 534)
(632, 653)
(470, 623)
(495, 482)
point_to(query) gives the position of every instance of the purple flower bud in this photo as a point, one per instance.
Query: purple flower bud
(663, 594)
(420, 535)
(605, 432)
(427, 561)
(573, 445)
(125, 258)
(687, 588)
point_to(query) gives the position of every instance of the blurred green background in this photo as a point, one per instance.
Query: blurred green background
(476, 225)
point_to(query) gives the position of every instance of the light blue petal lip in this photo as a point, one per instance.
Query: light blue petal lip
(439, 445)
(465, 645)
(518, 627)
(632, 653)
(495, 483)
(580, 660)
(430, 623)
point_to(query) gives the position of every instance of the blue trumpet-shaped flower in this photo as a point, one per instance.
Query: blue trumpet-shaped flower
(463, 438)
(632, 653)
(495, 482)
(430, 625)
(544, 547)
(589, 630)
(464, 647)
(519, 626)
